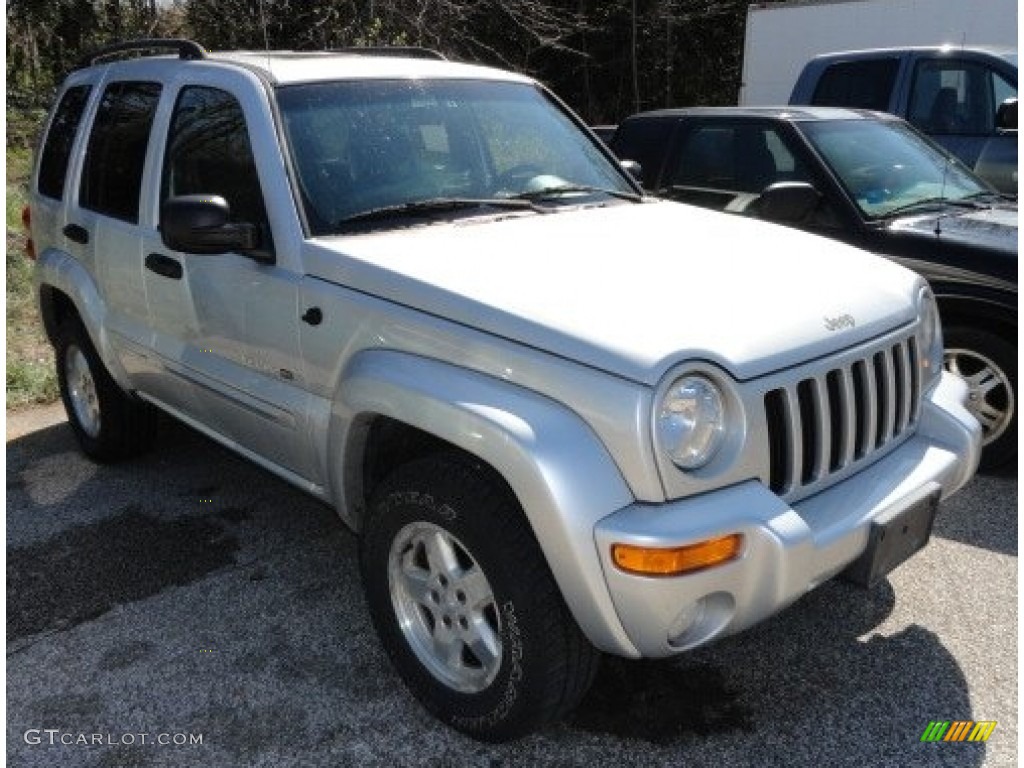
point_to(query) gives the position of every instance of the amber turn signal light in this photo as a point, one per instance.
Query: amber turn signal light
(655, 561)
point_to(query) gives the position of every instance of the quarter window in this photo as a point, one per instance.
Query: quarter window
(209, 153)
(53, 166)
(116, 156)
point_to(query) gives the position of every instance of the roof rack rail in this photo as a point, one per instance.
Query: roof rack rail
(408, 51)
(187, 49)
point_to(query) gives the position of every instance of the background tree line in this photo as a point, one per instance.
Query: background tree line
(606, 58)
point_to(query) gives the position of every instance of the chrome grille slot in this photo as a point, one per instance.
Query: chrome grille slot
(841, 415)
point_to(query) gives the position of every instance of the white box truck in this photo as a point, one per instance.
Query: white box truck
(782, 37)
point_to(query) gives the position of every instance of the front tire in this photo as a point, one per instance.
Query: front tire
(108, 423)
(989, 365)
(465, 604)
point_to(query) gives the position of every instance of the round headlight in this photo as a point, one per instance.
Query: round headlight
(931, 335)
(690, 423)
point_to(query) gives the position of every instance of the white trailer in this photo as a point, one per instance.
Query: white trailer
(783, 36)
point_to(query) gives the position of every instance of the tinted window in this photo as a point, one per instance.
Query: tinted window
(857, 84)
(645, 142)
(53, 166)
(727, 165)
(734, 158)
(956, 97)
(209, 153)
(114, 161)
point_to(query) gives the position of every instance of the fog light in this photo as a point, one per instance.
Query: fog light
(656, 561)
(687, 619)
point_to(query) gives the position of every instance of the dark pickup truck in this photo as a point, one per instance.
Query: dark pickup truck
(871, 180)
(964, 98)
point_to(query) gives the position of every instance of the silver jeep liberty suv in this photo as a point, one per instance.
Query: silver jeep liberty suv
(563, 418)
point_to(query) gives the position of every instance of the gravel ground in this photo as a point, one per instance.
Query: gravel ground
(190, 595)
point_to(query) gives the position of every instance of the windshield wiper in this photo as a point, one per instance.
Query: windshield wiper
(438, 205)
(931, 202)
(565, 189)
(990, 197)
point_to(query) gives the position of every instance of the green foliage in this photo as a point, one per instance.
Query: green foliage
(30, 371)
(31, 382)
(46, 39)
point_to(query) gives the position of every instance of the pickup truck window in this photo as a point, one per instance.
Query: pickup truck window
(956, 97)
(359, 147)
(53, 166)
(888, 168)
(114, 160)
(865, 85)
(857, 84)
(209, 153)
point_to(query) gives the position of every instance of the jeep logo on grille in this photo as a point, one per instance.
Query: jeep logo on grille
(840, 322)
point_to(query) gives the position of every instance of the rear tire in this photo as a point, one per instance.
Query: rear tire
(108, 423)
(989, 365)
(465, 605)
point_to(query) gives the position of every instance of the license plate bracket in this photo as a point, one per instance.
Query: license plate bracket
(894, 536)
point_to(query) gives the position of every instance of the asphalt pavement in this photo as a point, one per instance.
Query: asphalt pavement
(189, 609)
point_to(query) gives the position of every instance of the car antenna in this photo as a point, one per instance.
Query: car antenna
(942, 191)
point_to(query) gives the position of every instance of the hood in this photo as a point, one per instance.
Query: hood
(991, 229)
(632, 289)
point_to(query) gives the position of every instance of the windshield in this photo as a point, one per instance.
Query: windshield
(383, 150)
(886, 166)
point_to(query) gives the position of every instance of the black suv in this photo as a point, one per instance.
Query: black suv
(871, 180)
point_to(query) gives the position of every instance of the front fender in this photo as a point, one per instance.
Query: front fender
(559, 470)
(57, 270)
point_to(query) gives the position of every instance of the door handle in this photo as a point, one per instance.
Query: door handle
(164, 265)
(77, 233)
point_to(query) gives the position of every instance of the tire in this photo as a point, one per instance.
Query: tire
(988, 363)
(446, 545)
(108, 423)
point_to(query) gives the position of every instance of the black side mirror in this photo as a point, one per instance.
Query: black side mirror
(787, 202)
(633, 168)
(1006, 115)
(199, 224)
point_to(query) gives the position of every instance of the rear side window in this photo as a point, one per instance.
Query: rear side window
(114, 161)
(857, 84)
(645, 142)
(209, 153)
(53, 165)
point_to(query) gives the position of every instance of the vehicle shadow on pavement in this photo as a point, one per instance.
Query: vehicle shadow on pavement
(189, 589)
(983, 521)
(812, 686)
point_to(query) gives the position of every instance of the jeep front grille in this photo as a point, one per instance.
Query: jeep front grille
(841, 415)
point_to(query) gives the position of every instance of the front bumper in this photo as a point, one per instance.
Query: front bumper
(788, 550)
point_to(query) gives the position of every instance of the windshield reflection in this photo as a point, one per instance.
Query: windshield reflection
(387, 150)
(887, 167)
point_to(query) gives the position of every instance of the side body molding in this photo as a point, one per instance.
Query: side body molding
(561, 473)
